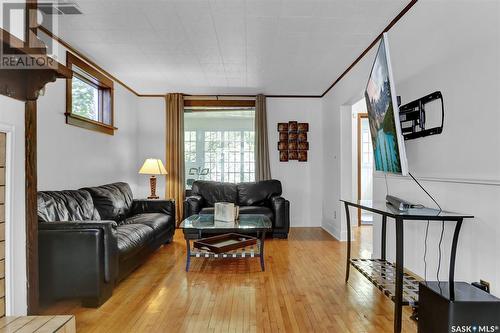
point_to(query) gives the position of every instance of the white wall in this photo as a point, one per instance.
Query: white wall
(459, 56)
(337, 142)
(462, 165)
(151, 141)
(71, 157)
(12, 115)
(301, 181)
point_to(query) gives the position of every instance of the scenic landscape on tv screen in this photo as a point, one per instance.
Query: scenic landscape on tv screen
(381, 115)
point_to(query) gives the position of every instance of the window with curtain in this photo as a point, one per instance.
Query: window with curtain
(219, 144)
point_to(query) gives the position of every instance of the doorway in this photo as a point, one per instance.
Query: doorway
(362, 160)
(365, 167)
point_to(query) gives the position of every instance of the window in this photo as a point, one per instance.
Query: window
(190, 146)
(89, 97)
(219, 144)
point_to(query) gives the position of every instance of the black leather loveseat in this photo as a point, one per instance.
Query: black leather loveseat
(262, 197)
(90, 239)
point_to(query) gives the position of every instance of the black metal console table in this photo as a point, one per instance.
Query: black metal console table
(402, 288)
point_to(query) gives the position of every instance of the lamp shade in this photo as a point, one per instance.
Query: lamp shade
(153, 166)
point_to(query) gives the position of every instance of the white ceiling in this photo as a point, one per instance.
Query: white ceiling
(227, 46)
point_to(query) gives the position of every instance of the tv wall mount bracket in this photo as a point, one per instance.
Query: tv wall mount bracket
(412, 117)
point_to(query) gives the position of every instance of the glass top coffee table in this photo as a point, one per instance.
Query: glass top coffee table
(196, 226)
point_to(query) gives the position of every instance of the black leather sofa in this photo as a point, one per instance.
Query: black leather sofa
(90, 239)
(262, 197)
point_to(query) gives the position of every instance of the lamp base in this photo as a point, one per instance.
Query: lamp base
(152, 183)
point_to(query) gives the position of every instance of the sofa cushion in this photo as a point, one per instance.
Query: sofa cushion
(258, 193)
(113, 201)
(132, 237)
(158, 222)
(245, 210)
(214, 192)
(73, 205)
(257, 210)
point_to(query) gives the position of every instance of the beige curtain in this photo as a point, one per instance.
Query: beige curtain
(262, 168)
(175, 152)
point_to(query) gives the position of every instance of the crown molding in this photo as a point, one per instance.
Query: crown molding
(85, 58)
(387, 28)
(351, 66)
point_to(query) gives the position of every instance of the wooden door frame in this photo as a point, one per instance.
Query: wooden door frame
(360, 116)
(31, 174)
(25, 85)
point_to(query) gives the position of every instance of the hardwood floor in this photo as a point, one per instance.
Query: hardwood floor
(302, 290)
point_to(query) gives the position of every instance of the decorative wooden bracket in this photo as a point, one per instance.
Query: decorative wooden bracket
(22, 83)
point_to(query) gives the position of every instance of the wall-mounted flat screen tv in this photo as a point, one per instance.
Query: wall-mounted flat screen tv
(383, 113)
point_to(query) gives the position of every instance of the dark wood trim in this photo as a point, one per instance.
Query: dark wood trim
(86, 59)
(106, 90)
(114, 78)
(268, 96)
(101, 79)
(293, 96)
(30, 123)
(387, 28)
(83, 122)
(30, 167)
(216, 96)
(30, 38)
(219, 103)
(151, 95)
(25, 84)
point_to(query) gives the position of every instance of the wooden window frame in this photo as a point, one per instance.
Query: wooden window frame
(222, 103)
(106, 92)
(219, 103)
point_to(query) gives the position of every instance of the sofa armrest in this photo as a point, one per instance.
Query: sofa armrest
(86, 231)
(144, 206)
(193, 205)
(281, 210)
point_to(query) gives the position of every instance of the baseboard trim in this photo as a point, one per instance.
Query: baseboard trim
(306, 226)
(327, 229)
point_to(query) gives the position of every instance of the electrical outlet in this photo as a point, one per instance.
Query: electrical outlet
(335, 214)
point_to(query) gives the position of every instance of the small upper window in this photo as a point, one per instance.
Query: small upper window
(89, 97)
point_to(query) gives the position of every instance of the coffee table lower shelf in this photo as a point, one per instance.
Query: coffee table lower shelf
(383, 275)
(252, 251)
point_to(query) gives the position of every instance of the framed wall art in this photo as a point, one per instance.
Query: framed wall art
(293, 144)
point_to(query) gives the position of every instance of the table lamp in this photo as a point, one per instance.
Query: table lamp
(153, 166)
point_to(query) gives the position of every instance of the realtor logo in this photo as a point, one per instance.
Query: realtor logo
(474, 328)
(36, 54)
